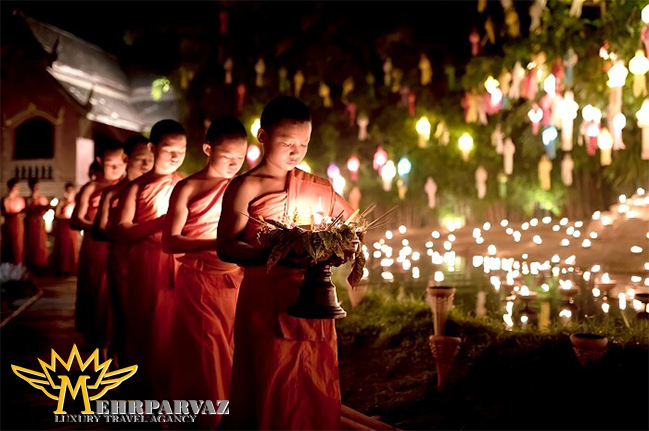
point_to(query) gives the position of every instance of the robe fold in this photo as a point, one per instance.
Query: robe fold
(117, 275)
(65, 251)
(93, 311)
(13, 237)
(151, 274)
(285, 371)
(35, 251)
(206, 293)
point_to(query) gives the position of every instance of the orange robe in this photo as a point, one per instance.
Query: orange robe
(93, 313)
(117, 273)
(285, 372)
(151, 274)
(65, 252)
(35, 252)
(205, 301)
(13, 237)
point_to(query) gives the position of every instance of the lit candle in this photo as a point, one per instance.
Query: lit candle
(318, 216)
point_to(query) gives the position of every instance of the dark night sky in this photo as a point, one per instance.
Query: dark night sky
(439, 28)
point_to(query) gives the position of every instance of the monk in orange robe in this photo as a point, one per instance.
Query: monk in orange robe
(285, 371)
(206, 288)
(35, 254)
(140, 161)
(13, 228)
(65, 251)
(151, 272)
(92, 312)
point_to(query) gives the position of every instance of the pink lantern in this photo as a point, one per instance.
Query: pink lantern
(241, 94)
(380, 158)
(592, 131)
(253, 155)
(353, 165)
(535, 115)
(223, 27)
(333, 171)
(350, 110)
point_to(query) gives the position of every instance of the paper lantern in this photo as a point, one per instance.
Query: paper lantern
(545, 167)
(298, 80)
(348, 87)
(569, 109)
(241, 95)
(253, 155)
(481, 176)
(575, 8)
(380, 159)
(639, 66)
(619, 123)
(284, 84)
(227, 66)
(535, 14)
(363, 121)
(397, 74)
(490, 32)
(548, 137)
(550, 85)
(260, 68)
(567, 165)
(324, 92)
(592, 131)
(404, 167)
(387, 72)
(442, 133)
(388, 172)
(426, 70)
(605, 144)
(423, 130)
(350, 109)
(353, 165)
(518, 75)
(254, 128)
(431, 190)
(645, 14)
(466, 144)
(535, 115)
(497, 139)
(339, 184)
(474, 39)
(643, 122)
(333, 171)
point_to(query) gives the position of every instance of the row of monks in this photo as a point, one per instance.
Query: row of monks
(172, 276)
(24, 238)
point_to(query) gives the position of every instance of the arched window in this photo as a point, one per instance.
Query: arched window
(34, 140)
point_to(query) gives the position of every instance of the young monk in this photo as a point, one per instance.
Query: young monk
(13, 228)
(285, 371)
(206, 288)
(65, 251)
(36, 257)
(91, 317)
(151, 272)
(140, 161)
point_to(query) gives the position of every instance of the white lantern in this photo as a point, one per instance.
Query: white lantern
(643, 122)
(466, 144)
(605, 144)
(423, 130)
(388, 172)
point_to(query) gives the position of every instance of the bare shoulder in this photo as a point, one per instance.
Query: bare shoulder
(87, 189)
(187, 186)
(245, 184)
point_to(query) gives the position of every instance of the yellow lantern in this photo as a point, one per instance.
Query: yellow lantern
(605, 144)
(256, 125)
(466, 144)
(423, 130)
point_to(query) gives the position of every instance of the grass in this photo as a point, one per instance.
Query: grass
(519, 379)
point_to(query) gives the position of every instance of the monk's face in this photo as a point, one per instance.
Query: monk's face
(286, 144)
(227, 157)
(114, 164)
(169, 153)
(140, 161)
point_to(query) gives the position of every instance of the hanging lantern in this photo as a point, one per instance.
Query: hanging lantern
(548, 137)
(619, 123)
(544, 170)
(305, 167)
(535, 115)
(550, 85)
(339, 184)
(481, 176)
(404, 167)
(617, 74)
(605, 144)
(645, 14)
(388, 172)
(254, 128)
(466, 144)
(363, 121)
(643, 122)
(569, 109)
(423, 130)
(592, 132)
(253, 155)
(431, 191)
(333, 171)
(590, 113)
(380, 159)
(353, 165)
(639, 66)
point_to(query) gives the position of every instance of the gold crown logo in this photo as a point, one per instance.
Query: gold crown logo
(105, 380)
